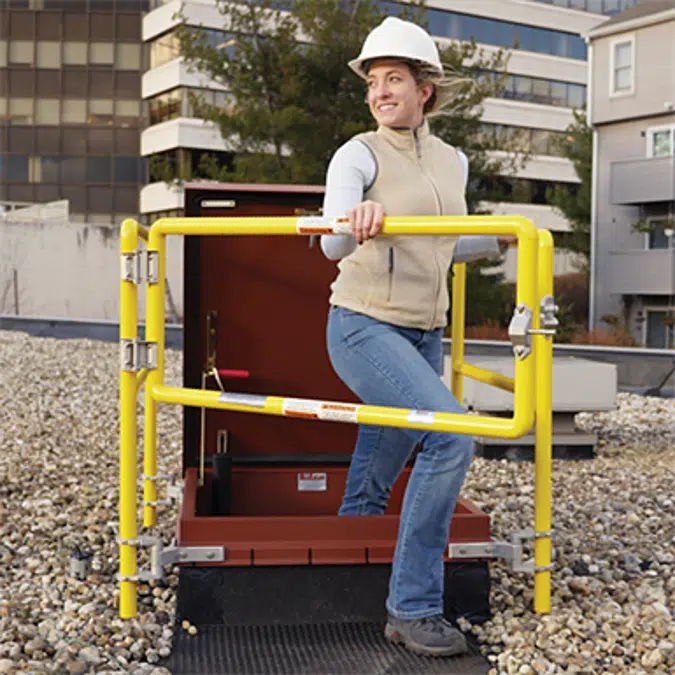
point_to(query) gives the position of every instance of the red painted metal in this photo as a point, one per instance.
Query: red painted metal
(224, 372)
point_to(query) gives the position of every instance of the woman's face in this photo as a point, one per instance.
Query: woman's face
(395, 99)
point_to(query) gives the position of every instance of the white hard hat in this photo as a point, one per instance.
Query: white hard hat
(399, 39)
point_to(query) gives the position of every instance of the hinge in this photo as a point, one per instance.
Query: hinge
(140, 266)
(512, 552)
(130, 269)
(137, 354)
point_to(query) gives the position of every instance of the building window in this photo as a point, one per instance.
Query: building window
(102, 53)
(74, 111)
(48, 54)
(164, 49)
(656, 237)
(21, 110)
(17, 168)
(622, 58)
(75, 53)
(128, 56)
(21, 52)
(47, 111)
(660, 141)
(660, 331)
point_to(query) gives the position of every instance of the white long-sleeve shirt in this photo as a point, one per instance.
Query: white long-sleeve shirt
(351, 172)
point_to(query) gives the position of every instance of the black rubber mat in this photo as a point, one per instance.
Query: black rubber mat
(310, 649)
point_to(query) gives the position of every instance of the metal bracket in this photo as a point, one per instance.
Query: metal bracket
(519, 331)
(130, 267)
(170, 555)
(512, 551)
(137, 354)
(547, 319)
(520, 328)
(152, 267)
(140, 265)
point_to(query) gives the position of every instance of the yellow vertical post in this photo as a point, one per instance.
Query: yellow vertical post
(127, 508)
(543, 435)
(457, 329)
(154, 332)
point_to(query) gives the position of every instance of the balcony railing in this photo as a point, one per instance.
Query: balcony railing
(642, 272)
(641, 181)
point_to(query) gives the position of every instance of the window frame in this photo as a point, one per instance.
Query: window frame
(651, 221)
(652, 131)
(613, 91)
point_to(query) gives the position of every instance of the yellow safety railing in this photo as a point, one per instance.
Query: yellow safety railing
(534, 282)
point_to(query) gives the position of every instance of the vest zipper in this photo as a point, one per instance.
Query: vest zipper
(418, 152)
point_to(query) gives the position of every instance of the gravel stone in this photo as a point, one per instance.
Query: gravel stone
(613, 586)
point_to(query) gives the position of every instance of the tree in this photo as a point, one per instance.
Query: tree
(293, 101)
(575, 202)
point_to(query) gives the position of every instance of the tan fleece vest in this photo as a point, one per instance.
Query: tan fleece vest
(400, 279)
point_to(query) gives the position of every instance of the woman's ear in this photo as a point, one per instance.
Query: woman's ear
(426, 90)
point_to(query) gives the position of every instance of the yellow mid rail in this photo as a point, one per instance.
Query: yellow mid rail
(142, 363)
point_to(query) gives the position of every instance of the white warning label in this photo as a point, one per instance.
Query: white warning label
(298, 407)
(312, 482)
(338, 412)
(421, 417)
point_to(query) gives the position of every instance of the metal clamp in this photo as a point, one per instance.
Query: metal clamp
(137, 354)
(519, 331)
(170, 555)
(512, 552)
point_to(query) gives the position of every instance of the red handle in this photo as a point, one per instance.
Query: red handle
(225, 372)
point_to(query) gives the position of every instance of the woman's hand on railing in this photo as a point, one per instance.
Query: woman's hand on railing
(366, 220)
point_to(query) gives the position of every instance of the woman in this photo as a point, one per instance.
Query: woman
(388, 310)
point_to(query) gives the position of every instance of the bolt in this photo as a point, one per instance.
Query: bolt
(210, 555)
(183, 555)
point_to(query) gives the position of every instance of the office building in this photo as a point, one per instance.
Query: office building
(71, 112)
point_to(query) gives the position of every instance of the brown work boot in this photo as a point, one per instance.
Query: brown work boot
(430, 636)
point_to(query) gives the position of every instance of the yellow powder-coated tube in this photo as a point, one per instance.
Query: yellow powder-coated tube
(154, 332)
(457, 330)
(336, 411)
(543, 437)
(487, 376)
(127, 508)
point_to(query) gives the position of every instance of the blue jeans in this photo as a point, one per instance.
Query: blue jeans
(400, 367)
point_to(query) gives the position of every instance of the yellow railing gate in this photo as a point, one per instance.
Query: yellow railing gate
(531, 332)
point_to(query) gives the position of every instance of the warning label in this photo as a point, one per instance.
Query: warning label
(297, 407)
(338, 412)
(313, 225)
(312, 482)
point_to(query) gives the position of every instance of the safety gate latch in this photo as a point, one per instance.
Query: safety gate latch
(520, 327)
(137, 354)
(512, 552)
(170, 555)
